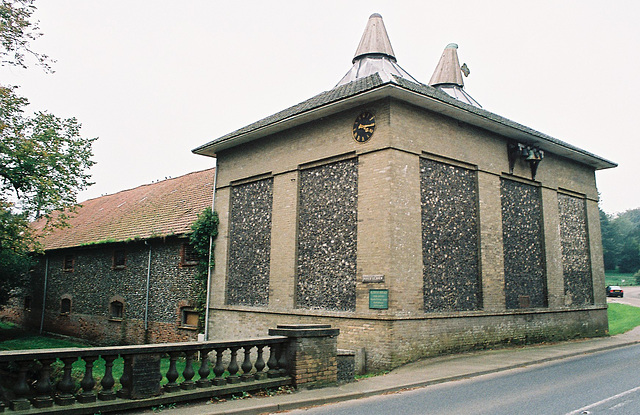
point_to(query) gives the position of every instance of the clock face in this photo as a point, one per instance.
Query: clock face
(363, 127)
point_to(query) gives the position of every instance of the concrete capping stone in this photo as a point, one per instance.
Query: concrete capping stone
(304, 326)
(304, 330)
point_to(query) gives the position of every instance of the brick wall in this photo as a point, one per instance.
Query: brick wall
(390, 236)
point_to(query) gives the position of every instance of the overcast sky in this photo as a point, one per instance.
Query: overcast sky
(155, 79)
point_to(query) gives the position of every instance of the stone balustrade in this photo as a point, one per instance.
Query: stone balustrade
(223, 368)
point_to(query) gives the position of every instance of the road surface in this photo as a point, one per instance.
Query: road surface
(631, 297)
(600, 383)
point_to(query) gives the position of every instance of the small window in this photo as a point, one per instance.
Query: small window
(188, 256)
(119, 259)
(27, 303)
(65, 306)
(116, 309)
(67, 265)
(189, 317)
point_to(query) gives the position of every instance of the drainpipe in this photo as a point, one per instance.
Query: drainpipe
(146, 305)
(44, 294)
(206, 310)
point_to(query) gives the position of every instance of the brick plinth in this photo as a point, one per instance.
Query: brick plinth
(312, 353)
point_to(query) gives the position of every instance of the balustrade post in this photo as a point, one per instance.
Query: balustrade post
(218, 369)
(247, 365)
(282, 360)
(233, 367)
(260, 364)
(204, 370)
(21, 388)
(172, 373)
(126, 378)
(65, 385)
(43, 386)
(188, 373)
(273, 361)
(88, 383)
(107, 393)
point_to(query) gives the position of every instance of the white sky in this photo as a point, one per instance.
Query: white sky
(155, 79)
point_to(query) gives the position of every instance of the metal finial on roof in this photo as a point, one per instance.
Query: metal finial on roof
(375, 40)
(448, 75)
(375, 55)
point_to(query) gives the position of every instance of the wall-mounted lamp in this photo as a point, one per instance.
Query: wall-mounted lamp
(532, 155)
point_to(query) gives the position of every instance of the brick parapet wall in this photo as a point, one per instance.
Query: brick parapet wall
(392, 342)
(312, 353)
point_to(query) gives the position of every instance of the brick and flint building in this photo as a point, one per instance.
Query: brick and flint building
(407, 216)
(123, 271)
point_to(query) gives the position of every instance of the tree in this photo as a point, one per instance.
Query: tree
(43, 158)
(621, 240)
(610, 248)
(17, 31)
(629, 256)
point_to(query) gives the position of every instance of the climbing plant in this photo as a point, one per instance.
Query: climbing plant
(205, 230)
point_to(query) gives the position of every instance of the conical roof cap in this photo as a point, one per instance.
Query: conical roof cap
(448, 69)
(448, 76)
(375, 40)
(375, 56)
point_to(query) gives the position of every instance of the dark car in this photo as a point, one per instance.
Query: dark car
(614, 291)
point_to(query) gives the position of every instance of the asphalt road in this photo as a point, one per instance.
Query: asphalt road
(631, 297)
(599, 383)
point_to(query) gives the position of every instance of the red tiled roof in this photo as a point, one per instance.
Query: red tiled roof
(153, 210)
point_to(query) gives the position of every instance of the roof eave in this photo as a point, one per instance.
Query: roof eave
(460, 111)
(210, 149)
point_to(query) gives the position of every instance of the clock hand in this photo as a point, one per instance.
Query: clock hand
(365, 126)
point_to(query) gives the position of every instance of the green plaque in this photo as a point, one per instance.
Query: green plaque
(379, 299)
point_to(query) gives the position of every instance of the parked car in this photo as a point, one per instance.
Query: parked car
(614, 291)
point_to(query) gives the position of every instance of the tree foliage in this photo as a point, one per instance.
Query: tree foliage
(43, 158)
(621, 240)
(204, 232)
(17, 30)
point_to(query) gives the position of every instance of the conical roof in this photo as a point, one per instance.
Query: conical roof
(375, 40)
(375, 55)
(448, 69)
(448, 76)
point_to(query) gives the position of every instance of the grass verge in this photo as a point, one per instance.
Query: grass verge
(619, 278)
(622, 318)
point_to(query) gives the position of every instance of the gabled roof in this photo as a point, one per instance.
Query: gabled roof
(153, 210)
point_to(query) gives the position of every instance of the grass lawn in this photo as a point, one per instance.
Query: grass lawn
(622, 318)
(619, 278)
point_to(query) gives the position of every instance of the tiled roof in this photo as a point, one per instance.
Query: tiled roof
(327, 97)
(159, 209)
(374, 82)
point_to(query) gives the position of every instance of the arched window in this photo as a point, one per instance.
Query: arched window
(119, 259)
(116, 310)
(65, 305)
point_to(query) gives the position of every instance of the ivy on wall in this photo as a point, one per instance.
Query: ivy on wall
(205, 230)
